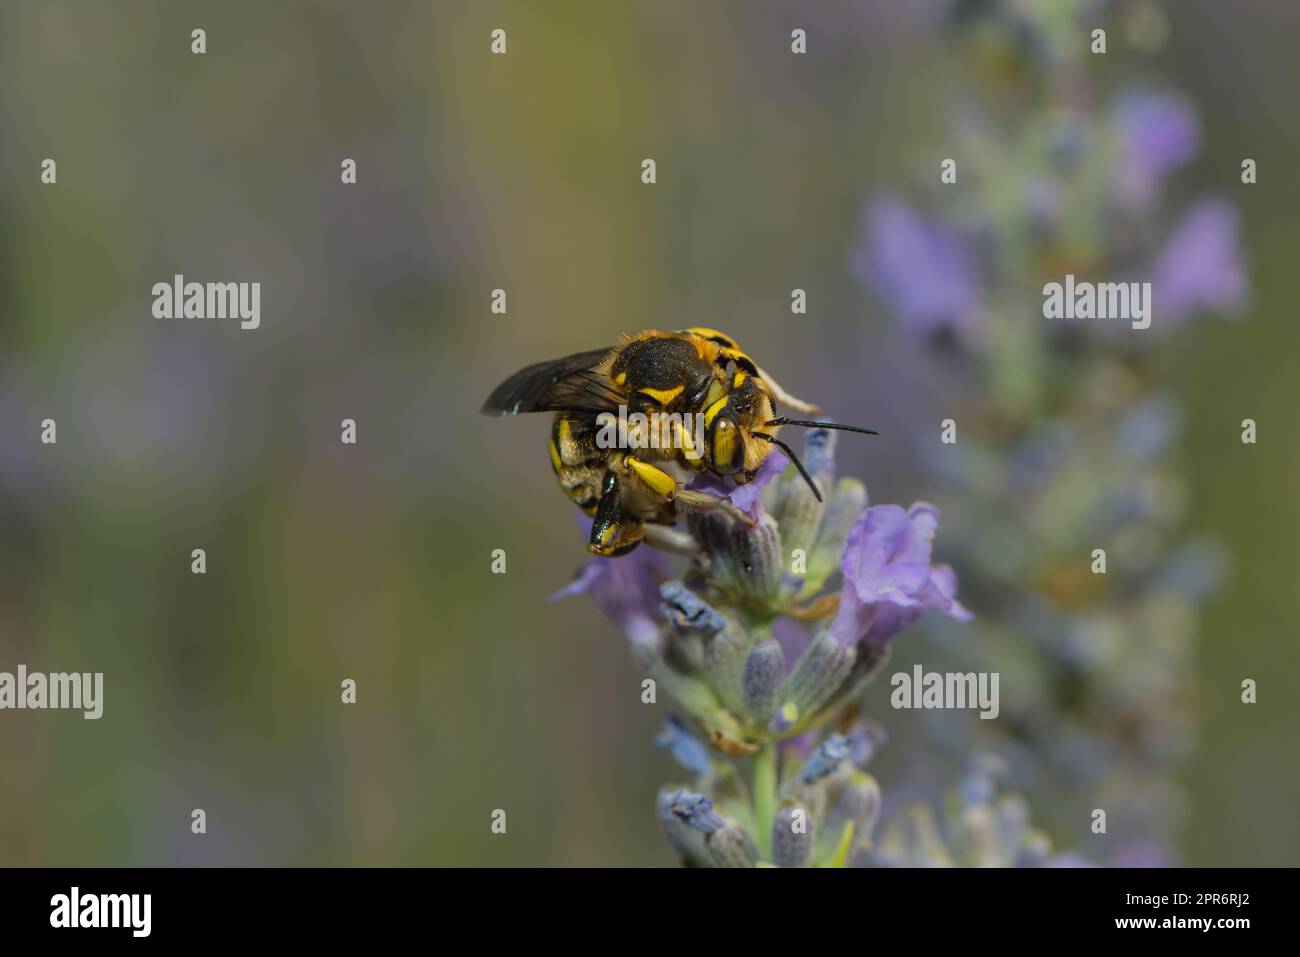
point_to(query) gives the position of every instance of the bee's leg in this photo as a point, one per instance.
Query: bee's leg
(670, 539)
(613, 531)
(694, 501)
(659, 481)
(785, 398)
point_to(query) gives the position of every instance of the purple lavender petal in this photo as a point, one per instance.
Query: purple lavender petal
(745, 496)
(923, 271)
(1158, 133)
(888, 578)
(625, 588)
(1201, 268)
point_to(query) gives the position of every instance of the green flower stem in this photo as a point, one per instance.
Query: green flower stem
(765, 797)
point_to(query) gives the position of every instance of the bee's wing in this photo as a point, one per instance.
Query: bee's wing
(572, 384)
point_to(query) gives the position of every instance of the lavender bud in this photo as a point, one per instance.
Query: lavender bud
(784, 719)
(675, 664)
(858, 803)
(724, 664)
(764, 672)
(721, 659)
(829, 756)
(842, 510)
(693, 810)
(976, 837)
(819, 453)
(688, 613)
(1013, 825)
(687, 750)
(731, 846)
(685, 840)
(797, 511)
(792, 837)
(1035, 850)
(744, 561)
(868, 659)
(820, 673)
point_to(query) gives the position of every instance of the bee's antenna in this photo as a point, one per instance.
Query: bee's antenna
(782, 420)
(793, 458)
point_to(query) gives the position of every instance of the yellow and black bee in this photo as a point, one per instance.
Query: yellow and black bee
(685, 374)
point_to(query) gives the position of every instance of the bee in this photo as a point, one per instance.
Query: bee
(637, 484)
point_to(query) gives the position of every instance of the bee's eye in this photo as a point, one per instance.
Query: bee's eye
(716, 391)
(726, 446)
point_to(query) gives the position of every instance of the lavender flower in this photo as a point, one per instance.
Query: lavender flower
(745, 496)
(1069, 445)
(719, 640)
(1200, 269)
(888, 578)
(1158, 133)
(626, 589)
(922, 270)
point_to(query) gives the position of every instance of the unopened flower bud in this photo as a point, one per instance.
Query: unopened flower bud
(792, 837)
(858, 803)
(731, 846)
(686, 749)
(685, 840)
(829, 756)
(797, 511)
(820, 673)
(694, 810)
(764, 673)
(743, 560)
(841, 511)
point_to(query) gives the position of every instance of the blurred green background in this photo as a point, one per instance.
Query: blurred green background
(372, 562)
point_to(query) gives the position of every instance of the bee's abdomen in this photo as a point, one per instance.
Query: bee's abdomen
(578, 462)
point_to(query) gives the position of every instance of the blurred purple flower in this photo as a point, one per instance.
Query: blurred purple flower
(888, 578)
(924, 272)
(686, 749)
(1201, 267)
(745, 497)
(1158, 133)
(626, 589)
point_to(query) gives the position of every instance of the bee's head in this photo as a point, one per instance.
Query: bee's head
(732, 446)
(742, 429)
